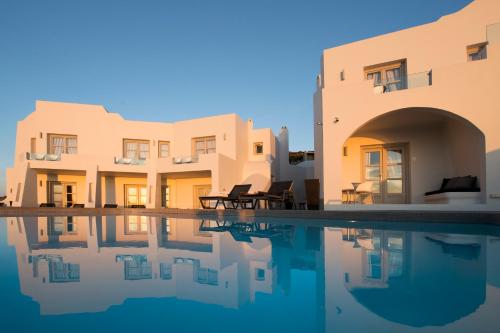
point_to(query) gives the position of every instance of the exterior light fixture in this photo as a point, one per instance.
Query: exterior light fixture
(335, 120)
(319, 123)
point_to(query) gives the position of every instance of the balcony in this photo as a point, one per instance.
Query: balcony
(410, 81)
(184, 159)
(42, 157)
(129, 161)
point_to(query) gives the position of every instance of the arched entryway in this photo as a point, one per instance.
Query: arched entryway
(408, 152)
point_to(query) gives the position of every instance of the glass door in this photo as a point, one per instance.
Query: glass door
(387, 169)
(200, 191)
(372, 172)
(56, 194)
(70, 194)
(135, 195)
(394, 175)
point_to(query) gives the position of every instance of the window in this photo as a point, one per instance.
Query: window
(165, 226)
(136, 149)
(136, 225)
(138, 268)
(163, 149)
(374, 260)
(206, 276)
(135, 195)
(205, 145)
(62, 144)
(165, 271)
(390, 75)
(260, 274)
(63, 272)
(258, 148)
(476, 52)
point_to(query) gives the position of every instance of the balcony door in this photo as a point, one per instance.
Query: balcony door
(62, 194)
(135, 195)
(200, 191)
(387, 167)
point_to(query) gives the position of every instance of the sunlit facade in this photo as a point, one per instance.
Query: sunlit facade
(69, 154)
(407, 109)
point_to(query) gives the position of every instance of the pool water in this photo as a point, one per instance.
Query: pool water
(167, 274)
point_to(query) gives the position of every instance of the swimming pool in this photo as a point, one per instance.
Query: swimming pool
(168, 274)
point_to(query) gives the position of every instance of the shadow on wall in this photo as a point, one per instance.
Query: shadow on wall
(29, 192)
(258, 181)
(493, 176)
(110, 188)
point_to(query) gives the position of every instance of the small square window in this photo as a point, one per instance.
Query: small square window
(258, 148)
(477, 52)
(163, 149)
(342, 75)
(260, 274)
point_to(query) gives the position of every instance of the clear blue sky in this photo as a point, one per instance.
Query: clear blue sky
(172, 60)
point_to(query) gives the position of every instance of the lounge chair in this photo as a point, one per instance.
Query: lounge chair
(137, 206)
(78, 205)
(110, 206)
(312, 193)
(457, 190)
(48, 204)
(279, 192)
(232, 198)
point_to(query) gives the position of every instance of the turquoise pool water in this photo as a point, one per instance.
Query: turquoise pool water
(165, 274)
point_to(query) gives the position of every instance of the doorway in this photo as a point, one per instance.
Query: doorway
(386, 166)
(135, 195)
(200, 191)
(62, 194)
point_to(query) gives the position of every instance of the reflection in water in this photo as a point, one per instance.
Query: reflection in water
(417, 279)
(364, 278)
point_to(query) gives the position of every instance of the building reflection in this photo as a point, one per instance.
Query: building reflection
(414, 279)
(394, 280)
(87, 264)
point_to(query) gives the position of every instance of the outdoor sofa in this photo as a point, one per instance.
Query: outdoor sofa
(456, 190)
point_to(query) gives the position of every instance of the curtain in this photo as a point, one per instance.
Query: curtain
(143, 151)
(393, 77)
(57, 145)
(131, 149)
(71, 146)
(211, 146)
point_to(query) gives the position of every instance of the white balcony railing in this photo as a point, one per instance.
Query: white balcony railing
(129, 161)
(42, 157)
(184, 159)
(410, 81)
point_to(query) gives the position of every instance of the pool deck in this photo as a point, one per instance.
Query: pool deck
(361, 214)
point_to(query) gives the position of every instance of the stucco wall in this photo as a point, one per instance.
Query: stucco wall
(465, 89)
(100, 136)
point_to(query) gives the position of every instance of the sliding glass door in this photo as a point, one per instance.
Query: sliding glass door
(62, 194)
(135, 195)
(387, 168)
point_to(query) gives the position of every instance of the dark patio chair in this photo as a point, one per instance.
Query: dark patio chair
(78, 205)
(110, 205)
(137, 206)
(233, 198)
(280, 193)
(48, 204)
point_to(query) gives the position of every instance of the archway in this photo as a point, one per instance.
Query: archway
(408, 152)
